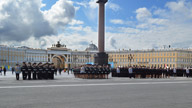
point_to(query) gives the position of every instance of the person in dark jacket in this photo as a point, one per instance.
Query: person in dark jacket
(35, 70)
(40, 72)
(24, 70)
(60, 71)
(13, 69)
(4, 70)
(52, 71)
(30, 69)
(1, 70)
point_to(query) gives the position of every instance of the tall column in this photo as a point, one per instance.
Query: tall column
(101, 58)
(101, 32)
(101, 27)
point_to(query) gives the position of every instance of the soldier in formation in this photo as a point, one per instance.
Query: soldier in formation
(38, 71)
(92, 72)
(146, 72)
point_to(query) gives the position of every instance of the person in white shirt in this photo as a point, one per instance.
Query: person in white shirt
(174, 72)
(82, 69)
(17, 71)
(131, 75)
(168, 72)
(187, 72)
(118, 71)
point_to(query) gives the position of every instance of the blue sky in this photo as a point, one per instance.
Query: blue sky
(130, 24)
(126, 9)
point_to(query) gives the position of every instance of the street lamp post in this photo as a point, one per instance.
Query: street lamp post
(130, 58)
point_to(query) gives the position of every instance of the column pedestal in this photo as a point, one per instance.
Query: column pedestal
(101, 58)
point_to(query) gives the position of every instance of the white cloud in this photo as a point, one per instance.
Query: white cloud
(76, 28)
(74, 40)
(77, 8)
(117, 21)
(21, 19)
(156, 28)
(60, 13)
(122, 22)
(93, 4)
(91, 7)
(76, 22)
(143, 14)
(168, 26)
(113, 6)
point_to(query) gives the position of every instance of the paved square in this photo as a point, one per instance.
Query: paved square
(67, 92)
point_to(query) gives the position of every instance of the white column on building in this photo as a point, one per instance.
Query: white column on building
(70, 58)
(67, 58)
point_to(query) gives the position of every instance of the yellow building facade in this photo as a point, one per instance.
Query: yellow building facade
(10, 56)
(179, 58)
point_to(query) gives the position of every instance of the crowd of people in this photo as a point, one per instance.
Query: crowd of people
(35, 71)
(47, 70)
(92, 72)
(144, 72)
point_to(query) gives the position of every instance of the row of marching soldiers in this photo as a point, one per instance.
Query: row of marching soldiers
(143, 72)
(92, 72)
(38, 71)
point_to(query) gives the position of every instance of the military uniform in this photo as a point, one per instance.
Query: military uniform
(52, 72)
(40, 75)
(45, 72)
(35, 71)
(30, 69)
(24, 72)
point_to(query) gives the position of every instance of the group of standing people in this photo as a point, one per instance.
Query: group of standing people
(35, 71)
(144, 72)
(38, 71)
(92, 72)
(4, 70)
